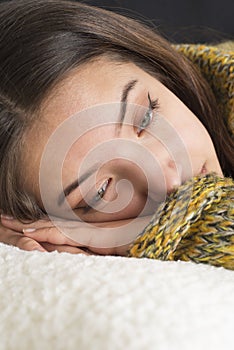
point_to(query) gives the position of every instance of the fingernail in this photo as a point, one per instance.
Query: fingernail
(6, 217)
(28, 230)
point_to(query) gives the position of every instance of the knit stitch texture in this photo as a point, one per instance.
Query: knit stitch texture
(217, 66)
(195, 223)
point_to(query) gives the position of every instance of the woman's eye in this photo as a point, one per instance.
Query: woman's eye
(98, 196)
(147, 119)
(101, 191)
(93, 201)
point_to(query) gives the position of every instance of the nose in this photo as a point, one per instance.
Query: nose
(165, 180)
(173, 175)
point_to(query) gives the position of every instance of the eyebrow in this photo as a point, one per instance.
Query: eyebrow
(126, 90)
(75, 184)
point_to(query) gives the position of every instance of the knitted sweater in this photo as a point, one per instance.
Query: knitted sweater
(196, 222)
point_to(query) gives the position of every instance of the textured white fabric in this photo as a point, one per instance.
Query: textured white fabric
(63, 301)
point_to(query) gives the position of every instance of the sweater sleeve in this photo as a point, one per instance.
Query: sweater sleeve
(216, 64)
(195, 223)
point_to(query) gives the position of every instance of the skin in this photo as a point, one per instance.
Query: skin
(175, 138)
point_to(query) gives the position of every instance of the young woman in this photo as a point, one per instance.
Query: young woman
(100, 118)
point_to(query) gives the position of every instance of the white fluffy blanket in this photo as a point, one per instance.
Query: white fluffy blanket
(62, 301)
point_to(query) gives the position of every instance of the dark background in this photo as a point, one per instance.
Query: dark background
(180, 20)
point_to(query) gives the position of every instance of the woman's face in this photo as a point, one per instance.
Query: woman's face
(126, 164)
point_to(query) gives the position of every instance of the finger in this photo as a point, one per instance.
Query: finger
(64, 248)
(29, 244)
(50, 235)
(19, 240)
(18, 226)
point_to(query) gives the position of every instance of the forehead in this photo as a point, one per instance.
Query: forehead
(96, 82)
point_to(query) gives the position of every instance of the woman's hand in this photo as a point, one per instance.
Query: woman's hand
(41, 235)
(44, 235)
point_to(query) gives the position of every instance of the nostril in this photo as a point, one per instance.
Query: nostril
(172, 164)
(177, 167)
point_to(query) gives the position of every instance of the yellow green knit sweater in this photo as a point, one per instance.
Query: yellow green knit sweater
(196, 222)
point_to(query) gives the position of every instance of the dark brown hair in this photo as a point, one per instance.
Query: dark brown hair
(41, 41)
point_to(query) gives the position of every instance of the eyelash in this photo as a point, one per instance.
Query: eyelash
(153, 105)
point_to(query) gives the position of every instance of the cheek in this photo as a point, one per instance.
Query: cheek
(138, 206)
(196, 139)
(188, 131)
(184, 123)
